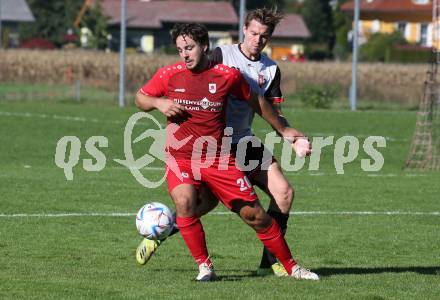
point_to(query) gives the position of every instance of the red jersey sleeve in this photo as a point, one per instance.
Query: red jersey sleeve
(156, 86)
(239, 87)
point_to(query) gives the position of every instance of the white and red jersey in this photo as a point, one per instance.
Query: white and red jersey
(204, 96)
(262, 74)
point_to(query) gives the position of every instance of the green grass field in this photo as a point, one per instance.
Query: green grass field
(369, 235)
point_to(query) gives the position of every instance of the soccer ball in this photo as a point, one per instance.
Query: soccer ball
(154, 221)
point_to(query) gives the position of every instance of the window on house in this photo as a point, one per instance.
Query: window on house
(401, 26)
(421, 1)
(375, 26)
(423, 34)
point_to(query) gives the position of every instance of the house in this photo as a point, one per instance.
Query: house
(288, 37)
(12, 13)
(149, 24)
(413, 18)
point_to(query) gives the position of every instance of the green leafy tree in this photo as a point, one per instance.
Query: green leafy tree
(293, 7)
(342, 24)
(52, 19)
(318, 16)
(252, 4)
(96, 21)
(380, 45)
(55, 18)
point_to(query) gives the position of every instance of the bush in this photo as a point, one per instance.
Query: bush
(318, 96)
(317, 52)
(410, 54)
(379, 46)
(37, 43)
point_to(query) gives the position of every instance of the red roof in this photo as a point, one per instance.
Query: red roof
(291, 25)
(392, 10)
(389, 6)
(151, 14)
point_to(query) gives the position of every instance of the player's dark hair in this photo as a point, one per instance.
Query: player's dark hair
(195, 31)
(265, 16)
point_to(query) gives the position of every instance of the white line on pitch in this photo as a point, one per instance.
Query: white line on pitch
(64, 118)
(321, 134)
(56, 117)
(301, 213)
(311, 173)
(143, 168)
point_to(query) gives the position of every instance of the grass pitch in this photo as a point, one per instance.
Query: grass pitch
(369, 235)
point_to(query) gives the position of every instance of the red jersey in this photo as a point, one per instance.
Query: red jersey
(204, 97)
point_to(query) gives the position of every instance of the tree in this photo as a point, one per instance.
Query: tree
(380, 45)
(342, 24)
(96, 21)
(252, 4)
(318, 16)
(52, 19)
(55, 18)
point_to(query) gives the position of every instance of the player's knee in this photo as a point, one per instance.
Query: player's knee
(284, 197)
(263, 221)
(205, 206)
(256, 217)
(184, 206)
(206, 201)
(290, 194)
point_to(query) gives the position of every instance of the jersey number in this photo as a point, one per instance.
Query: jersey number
(244, 183)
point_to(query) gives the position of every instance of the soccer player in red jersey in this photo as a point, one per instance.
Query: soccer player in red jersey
(264, 77)
(195, 94)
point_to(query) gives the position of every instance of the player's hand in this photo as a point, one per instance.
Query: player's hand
(170, 109)
(302, 147)
(299, 141)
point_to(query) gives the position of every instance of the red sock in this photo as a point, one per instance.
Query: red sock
(192, 232)
(274, 241)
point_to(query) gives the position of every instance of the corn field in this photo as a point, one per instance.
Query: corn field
(380, 82)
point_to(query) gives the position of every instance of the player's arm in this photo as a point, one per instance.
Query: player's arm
(288, 132)
(149, 97)
(241, 90)
(271, 113)
(277, 108)
(272, 106)
(265, 109)
(170, 109)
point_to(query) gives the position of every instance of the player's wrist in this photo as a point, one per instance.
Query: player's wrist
(290, 139)
(284, 131)
(292, 135)
(289, 134)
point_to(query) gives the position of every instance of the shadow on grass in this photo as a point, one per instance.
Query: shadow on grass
(327, 272)
(238, 277)
(435, 270)
(225, 277)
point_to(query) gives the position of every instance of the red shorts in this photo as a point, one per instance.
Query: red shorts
(227, 185)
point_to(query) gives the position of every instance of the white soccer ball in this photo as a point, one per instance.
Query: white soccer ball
(154, 221)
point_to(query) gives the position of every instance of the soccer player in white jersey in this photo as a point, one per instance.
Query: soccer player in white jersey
(264, 77)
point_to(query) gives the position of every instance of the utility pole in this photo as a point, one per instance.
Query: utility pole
(353, 87)
(1, 35)
(122, 54)
(240, 27)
